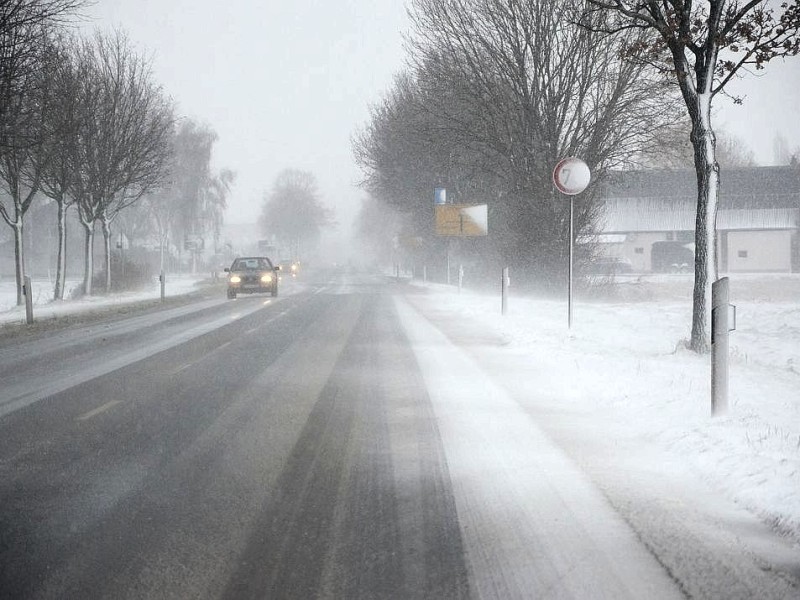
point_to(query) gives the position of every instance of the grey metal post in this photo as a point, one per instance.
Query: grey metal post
(720, 328)
(460, 277)
(163, 282)
(28, 292)
(425, 273)
(569, 285)
(504, 281)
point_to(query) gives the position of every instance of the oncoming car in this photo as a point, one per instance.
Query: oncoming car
(290, 267)
(251, 275)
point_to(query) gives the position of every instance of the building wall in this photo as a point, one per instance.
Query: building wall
(738, 251)
(637, 249)
(754, 251)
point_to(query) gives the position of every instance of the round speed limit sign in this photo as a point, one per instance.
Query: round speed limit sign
(571, 176)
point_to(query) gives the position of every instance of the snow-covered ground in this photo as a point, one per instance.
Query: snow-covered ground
(45, 308)
(625, 363)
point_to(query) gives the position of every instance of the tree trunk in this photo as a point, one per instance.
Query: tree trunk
(88, 258)
(705, 260)
(61, 266)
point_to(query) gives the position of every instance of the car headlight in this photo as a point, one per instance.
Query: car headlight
(294, 267)
(235, 279)
(266, 279)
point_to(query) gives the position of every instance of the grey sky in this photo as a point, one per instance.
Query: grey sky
(286, 82)
(283, 82)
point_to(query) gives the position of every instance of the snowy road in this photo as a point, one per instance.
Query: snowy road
(331, 443)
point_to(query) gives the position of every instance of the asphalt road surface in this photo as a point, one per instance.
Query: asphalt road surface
(331, 442)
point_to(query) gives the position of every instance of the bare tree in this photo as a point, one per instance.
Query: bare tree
(702, 46)
(292, 211)
(191, 200)
(216, 201)
(162, 209)
(25, 99)
(378, 226)
(191, 177)
(60, 130)
(21, 35)
(123, 144)
(782, 155)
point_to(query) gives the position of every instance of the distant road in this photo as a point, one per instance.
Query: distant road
(331, 442)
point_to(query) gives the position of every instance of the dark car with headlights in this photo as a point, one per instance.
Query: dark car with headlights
(252, 275)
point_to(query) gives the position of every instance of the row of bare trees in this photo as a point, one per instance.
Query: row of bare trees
(25, 102)
(499, 90)
(84, 124)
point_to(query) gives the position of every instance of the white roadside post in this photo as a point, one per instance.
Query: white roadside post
(163, 281)
(721, 326)
(28, 293)
(570, 177)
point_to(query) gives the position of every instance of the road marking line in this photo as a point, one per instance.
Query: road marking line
(98, 410)
(221, 346)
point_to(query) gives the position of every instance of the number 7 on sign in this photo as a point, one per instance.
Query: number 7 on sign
(571, 176)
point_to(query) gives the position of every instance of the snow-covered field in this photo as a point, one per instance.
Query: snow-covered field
(625, 363)
(45, 308)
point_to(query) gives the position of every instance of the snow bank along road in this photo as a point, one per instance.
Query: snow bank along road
(333, 443)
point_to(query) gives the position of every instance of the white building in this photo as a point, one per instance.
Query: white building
(648, 219)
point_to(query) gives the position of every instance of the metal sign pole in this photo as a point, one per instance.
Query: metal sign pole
(571, 176)
(569, 286)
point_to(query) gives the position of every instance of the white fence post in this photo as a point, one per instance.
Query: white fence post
(721, 327)
(27, 290)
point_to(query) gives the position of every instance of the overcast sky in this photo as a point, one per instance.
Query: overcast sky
(285, 83)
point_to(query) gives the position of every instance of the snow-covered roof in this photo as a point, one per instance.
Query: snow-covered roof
(745, 187)
(750, 198)
(622, 217)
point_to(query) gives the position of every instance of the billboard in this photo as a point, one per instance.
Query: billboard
(462, 220)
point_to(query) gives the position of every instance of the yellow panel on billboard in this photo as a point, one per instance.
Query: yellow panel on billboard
(462, 220)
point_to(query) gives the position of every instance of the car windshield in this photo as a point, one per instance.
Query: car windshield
(249, 264)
